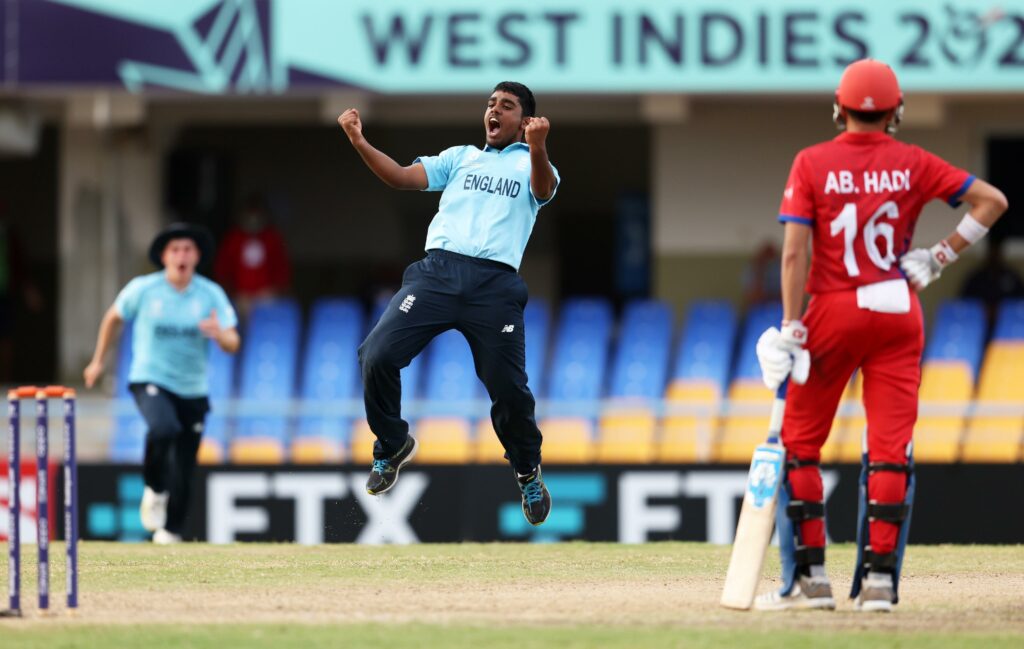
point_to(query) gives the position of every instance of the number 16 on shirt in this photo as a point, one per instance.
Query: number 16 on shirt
(757, 516)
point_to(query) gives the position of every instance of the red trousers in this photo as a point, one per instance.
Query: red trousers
(841, 338)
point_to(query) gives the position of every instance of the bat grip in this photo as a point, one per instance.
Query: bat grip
(778, 411)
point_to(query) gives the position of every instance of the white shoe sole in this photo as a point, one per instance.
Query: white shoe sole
(802, 604)
(874, 606)
(163, 537)
(408, 459)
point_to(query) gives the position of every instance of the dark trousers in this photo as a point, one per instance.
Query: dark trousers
(175, 428)
(482, 299)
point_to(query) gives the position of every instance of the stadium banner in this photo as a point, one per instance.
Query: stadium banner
(29, 518)
(432, 503)
(460, 46)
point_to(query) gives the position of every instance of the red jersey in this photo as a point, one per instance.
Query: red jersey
(862, 194)
(252, 262)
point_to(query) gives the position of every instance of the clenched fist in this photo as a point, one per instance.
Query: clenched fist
(352, 125)
(537, 130)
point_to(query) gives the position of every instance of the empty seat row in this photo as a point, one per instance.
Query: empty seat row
(709, 389)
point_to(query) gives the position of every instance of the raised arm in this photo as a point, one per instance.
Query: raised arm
(110, 329)
(393, 174)
(542, 177)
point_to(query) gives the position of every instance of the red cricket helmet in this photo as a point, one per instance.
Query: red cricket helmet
(870, 86)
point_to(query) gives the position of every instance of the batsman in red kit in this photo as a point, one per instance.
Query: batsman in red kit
(856, 199)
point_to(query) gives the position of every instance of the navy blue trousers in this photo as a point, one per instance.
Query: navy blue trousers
(482, 299)
(175, 428)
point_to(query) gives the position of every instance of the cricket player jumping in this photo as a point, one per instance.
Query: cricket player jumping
(468, 281)
(856, 200)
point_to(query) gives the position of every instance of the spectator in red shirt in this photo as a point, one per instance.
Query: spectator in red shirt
(252, 261)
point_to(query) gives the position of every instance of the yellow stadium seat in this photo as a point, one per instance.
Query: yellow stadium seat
(750, 391)
(1001, 372)
(686, 390)
(487, 449)
(993, 438)
(443, 440)
(850, 444)
(257, 450)
(626, 438)
(691, 420)
(946, 382)
(937, 439)
(994, 433)
(567, 440)
(740, 435)
(210, 452)
(746, 425)
(686, 439)
(362, 442)
(946, 390)
(316, 450)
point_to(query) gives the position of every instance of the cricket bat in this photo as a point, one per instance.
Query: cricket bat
(757, 515)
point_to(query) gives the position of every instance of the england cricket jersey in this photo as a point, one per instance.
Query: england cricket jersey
(168, 348)
(487, 209)
(862, 194)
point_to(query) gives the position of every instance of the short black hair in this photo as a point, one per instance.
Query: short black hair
(867, 117)
(526, 99)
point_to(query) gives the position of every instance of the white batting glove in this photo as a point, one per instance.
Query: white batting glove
(781, 354)
(922, 267)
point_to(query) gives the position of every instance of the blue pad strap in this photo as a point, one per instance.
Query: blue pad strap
(860, 570)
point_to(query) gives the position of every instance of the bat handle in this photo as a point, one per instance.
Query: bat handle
(778, 411)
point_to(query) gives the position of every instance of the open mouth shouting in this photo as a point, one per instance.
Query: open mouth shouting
(493, 127)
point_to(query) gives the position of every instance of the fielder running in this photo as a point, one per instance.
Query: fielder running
(468, 281)
(173, 312)
(856, 200)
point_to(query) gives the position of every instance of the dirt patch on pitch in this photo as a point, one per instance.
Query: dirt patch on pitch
(983, 602)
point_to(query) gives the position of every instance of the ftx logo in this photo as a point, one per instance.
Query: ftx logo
(572, 493)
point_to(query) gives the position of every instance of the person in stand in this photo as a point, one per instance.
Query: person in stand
(252, 261)
(175, 313)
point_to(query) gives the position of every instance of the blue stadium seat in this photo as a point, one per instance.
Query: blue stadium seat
(958, 334)
(330, 366)
(452, 384)
(124, 361)
(269, 362)
(641, 361)
(221, 368)
(537, 318)
(128, 443)
(1010, 322)
(705, 351)
(581, 351)
(760, 318)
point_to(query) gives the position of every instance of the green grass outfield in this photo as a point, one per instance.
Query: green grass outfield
(495, 595)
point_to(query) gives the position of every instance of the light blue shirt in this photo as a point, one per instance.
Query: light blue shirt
(167, 347)
(487, 209)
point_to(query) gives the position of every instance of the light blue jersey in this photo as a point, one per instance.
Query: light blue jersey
(167, 347)
(487, 209)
